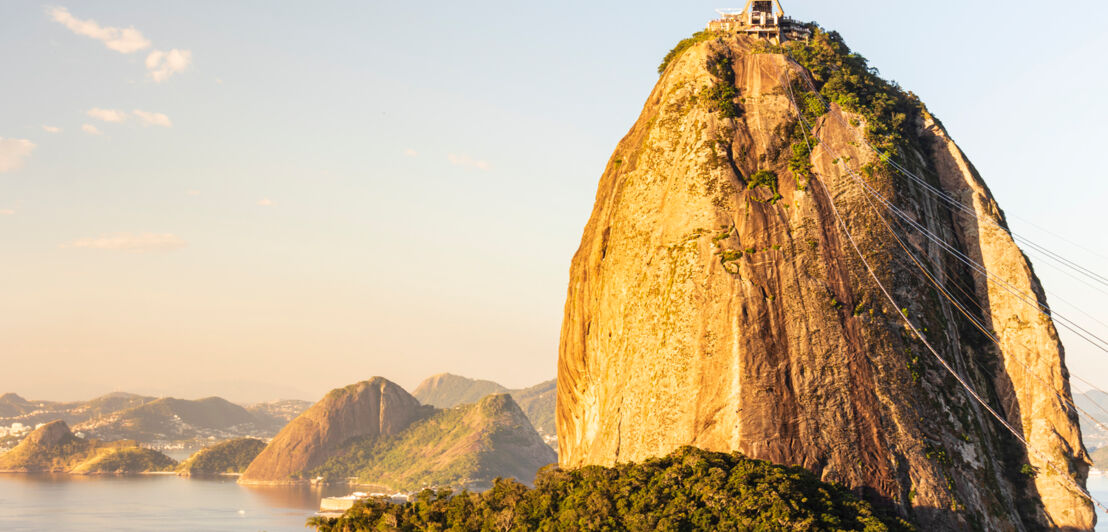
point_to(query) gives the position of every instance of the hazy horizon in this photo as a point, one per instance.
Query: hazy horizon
(238, 391)
(289, 198)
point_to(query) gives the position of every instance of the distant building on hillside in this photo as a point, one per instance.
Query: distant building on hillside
(761, 20)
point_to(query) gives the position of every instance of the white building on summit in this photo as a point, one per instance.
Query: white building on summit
(760, 19)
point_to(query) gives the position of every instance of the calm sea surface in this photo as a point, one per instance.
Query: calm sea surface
(169, 503)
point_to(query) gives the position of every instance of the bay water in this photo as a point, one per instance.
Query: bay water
(152, 503)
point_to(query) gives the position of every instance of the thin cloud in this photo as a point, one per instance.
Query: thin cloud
(410, 153)
(131, 242)
(467, 161)
(14, 152)
(265, 202)
(153, 119)
(51, 129)
(162, 64)
(122, 40)
(192, 192)
(91, 129)
(107, 115)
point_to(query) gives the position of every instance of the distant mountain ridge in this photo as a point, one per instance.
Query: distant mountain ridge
(464, 447)
(1095, 403)
(446, 390)
(170, 420)
(16, 409)
(150, 420)
(1100, 458)
(368, 409)
(377, 433)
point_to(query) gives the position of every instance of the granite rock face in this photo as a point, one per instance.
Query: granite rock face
(373, 408)
(705, 311)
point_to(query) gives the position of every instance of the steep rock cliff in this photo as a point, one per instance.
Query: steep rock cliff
(368, 409)
(715, 301)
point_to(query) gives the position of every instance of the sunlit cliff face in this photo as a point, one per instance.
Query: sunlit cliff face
(715, 300)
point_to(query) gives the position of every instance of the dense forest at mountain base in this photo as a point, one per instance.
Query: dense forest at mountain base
(690, 489)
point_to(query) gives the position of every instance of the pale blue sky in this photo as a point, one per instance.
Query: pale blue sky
(384, 188)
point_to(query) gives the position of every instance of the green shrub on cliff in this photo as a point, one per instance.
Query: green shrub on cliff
(845, 78)
(685, 44)
(690, 489)
(721, 95)
(763, 178)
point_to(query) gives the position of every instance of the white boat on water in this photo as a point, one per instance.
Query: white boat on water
(344, 503)
(341, 504)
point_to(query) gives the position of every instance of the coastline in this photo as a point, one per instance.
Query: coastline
(349, 483)
(206, 475)
(112, 474)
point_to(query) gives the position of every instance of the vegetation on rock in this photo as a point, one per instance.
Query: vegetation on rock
(845, 77)
(685, 44)
(690, 489)
(721, 95)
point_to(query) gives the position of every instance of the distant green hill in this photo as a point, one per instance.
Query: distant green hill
(375, 432)
(170, 419)
(50, 448)
(124, 460)
(690, 489)
(12, 405)
(538, 402)
(149, 420)
(53, 448)
(231, 456)
(447, 391)
(14, 408)
(362, 411)
(274, 415)
(463, 447)
(1093, 403)
(1100, 458)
